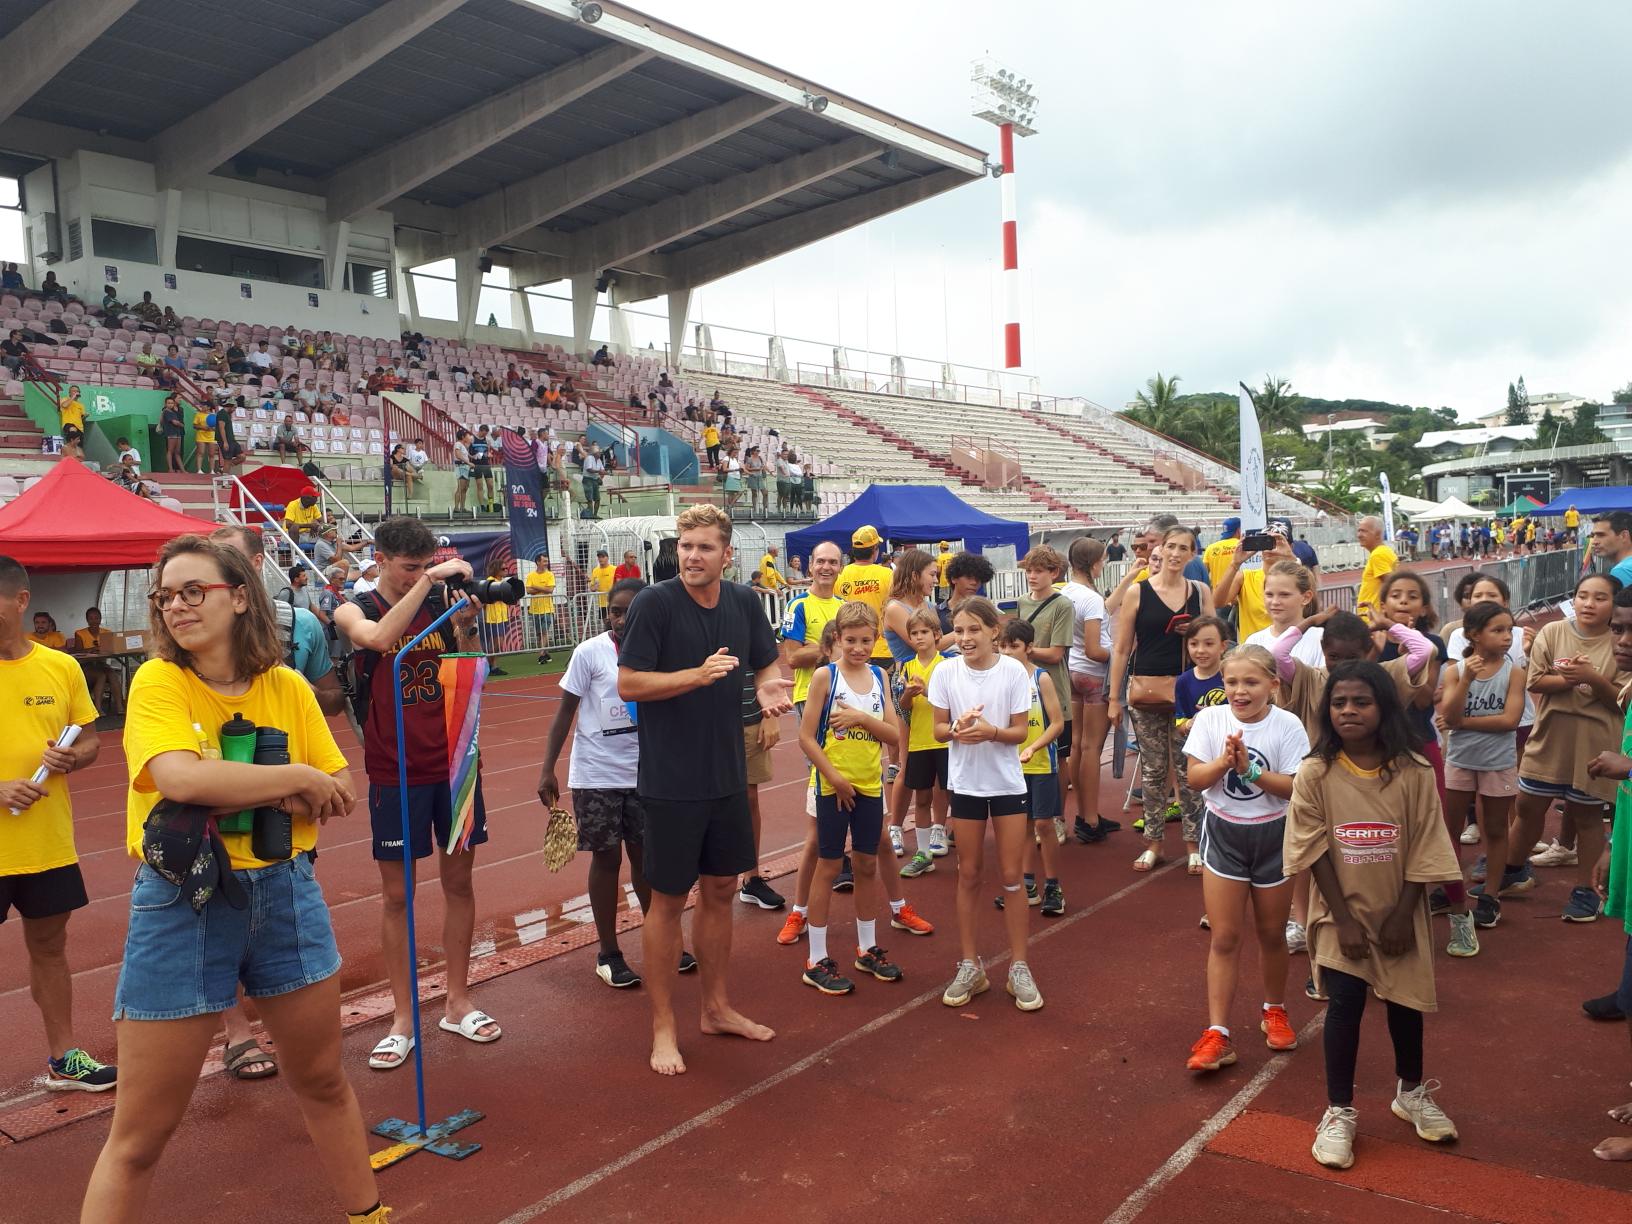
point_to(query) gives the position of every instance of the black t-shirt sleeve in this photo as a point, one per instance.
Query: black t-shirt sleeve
(643, 633)
(762, 651)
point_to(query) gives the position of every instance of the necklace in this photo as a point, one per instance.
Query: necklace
(219, 684)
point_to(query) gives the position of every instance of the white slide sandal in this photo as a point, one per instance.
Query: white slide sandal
(392, 1044)
(469, 1027)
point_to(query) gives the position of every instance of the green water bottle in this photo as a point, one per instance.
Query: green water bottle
(238, 744)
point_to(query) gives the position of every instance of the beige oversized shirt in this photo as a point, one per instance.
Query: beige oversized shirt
(1571, 728)
(1378, 834)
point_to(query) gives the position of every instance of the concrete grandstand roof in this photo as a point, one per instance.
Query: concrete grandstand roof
(507, 126)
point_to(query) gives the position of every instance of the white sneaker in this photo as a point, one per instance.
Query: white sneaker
(1555, 855)
(937, 841)
(1297, 938)
(1334, 1137)
(1418, 1108)
(1470, 835)
(1060, 831)
(896, 844)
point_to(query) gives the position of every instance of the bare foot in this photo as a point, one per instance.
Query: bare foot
(732, 1023)
(666, 1058)
(1614, 1149)
(1622, 1113)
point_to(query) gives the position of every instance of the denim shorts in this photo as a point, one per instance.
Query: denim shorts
(179, 963)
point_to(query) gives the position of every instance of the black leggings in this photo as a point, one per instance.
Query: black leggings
(1342, 1037)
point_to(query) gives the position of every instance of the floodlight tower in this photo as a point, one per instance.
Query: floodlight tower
(1006, 99)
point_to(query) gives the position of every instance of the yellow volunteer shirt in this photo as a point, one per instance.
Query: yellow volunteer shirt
(165, 702)
(84, 639)
(711, 436)
(40, 694)
(600, 579)
(51, 641)
(941, 562)
(1572, 519)
(1380, 564)
(295, 514)
(1216, 557)
(541, 586)
(201, 427)
(496, 613)
(870, 584)
(72, 413)
(1250, 615)
(769, 576)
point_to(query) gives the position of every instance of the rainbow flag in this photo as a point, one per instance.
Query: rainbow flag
(462, 677)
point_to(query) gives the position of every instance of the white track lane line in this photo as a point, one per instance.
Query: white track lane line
(590, 1180)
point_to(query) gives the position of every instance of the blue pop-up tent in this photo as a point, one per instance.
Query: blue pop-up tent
(913, 514)
(1598, 500)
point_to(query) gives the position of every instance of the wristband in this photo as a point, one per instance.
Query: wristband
(1254, 772)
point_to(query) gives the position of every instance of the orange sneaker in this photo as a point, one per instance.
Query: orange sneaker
(1277, 1029)
(908, 920)
(792, 928)
(1211, 1052)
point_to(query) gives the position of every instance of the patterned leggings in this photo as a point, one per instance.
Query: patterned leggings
(1161, 760)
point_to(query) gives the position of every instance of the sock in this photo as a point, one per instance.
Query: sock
(866, 933)
(895, 906)
(1267, 1006)
(801, 910)
(1051, 882)
(818, 943)
(1030, 878)
(1219, 1028)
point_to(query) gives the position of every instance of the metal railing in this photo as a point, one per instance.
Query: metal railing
(281, 542)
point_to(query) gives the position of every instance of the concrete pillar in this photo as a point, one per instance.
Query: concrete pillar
(583, 313)
(467, 275)
(777, 362)
(169, 203)
(898, 375)
(617, 321)
(705, 345)
(679, 304)
(336, 243)
(521, 314)
(409, 297)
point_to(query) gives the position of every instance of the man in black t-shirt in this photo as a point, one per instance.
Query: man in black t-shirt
(481, 468)
(685, 649)
(1114, 551)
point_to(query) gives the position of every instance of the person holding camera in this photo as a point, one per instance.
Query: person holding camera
(1242, 586)
(195, 935)
(410, 593)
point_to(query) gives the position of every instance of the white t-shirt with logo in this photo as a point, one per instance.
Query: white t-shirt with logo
(1086, 604)
(605, 746)
(1003, 690)
(1277, 742)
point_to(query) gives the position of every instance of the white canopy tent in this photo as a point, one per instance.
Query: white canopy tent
(1415, 507)
(1452, 508)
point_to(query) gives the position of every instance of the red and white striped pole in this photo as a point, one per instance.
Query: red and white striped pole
(1011, 252)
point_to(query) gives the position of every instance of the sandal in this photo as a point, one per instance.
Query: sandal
(391, 1044)
(246, 1054)
(1195, 863)
(470, 1027)
(1148, 861)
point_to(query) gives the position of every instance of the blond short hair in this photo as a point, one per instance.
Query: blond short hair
(705, 515)
(853, 614)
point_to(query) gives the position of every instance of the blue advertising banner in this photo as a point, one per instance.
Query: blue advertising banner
(524, 488)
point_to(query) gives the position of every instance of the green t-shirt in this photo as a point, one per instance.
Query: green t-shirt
(1619, 904)
(1054, 626)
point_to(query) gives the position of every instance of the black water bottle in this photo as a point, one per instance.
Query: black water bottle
(272, 839)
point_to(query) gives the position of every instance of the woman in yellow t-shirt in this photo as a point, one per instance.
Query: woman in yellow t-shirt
(496, 619)
(204, 439)
(215, 642)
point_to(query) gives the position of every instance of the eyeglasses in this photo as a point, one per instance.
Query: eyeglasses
(192, 594)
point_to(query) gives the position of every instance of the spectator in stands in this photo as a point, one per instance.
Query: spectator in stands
(172, 425)
(303, 519)
(11, 280)
(711, 444)
(13, 350)
(50, 288)
(260, 361)
(327, 547)
(147, 361)
(481, 469)
(568, 390)
(166, 374)
(630, 568)
(634, 400)
(127, 470)
(325, 346)
(731, 478)
(418, 457)
(601, 358)
(148, 313)
(656, 408)
(171, 322)
(717, 405)
(461, 469)
(338, 415)
(753, 470)
(368, 576)
(308, 395)
(71, 414)
(1306, 555)
(513, 377)
(216, 359)
(237, 360)
(594, 467)
(229, 451)
(286, 440)
(402, 470)
(691, 408)
(299, 591)
(112, 307)
(204, 422)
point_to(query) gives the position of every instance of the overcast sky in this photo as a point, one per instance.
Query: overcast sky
(1403, 201)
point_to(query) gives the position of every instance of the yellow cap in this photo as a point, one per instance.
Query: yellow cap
(865, 537)
(945, 546)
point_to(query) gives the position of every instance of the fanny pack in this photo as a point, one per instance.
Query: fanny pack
(180, 841)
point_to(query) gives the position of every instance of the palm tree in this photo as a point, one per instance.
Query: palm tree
(1277, 406)
(1157, 406)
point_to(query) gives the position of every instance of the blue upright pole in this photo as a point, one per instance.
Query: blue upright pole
(408, 848)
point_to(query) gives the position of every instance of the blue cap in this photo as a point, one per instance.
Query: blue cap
(1231, 526)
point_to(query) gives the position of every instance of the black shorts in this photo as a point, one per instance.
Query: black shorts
(430, 809)
(687, 838)
(72, 433)
(1062, 742)
(925, 768)
(43, 894)
(607, 818)
(862, 824)
(979, 807)
(482, 471)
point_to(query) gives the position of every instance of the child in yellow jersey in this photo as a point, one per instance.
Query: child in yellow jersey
(1039, 765)
(925, 774)
(848, 717)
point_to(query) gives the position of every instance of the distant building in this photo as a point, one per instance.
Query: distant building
(1485, 440)
(1562, 404)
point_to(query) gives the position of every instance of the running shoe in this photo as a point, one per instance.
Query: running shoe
(1583, 906)
(77, 1071)
(755, 891)
(1174, 812)
(1334, 1137)
(891, 772)
(544, 656)
(919, 864)
(1314, 992)
(792, 929)
(1060, 831)
(825, 976)
(1277, 1029)
(1204, 923)
(1439, 901)
(1212, 1051)
(1487, 912)
(1518, 880)
(896, 844)
(1088, 834)
(612, 969)
(1107, 825)
(1464, 941)
(1476, 873)
(1033, 895)
(1605, 1007)
(969, 981)
(1556, 855)
(1139, 824)
(1138, 792)
(1297, 937)
(1470, 837)
(688, 962)
(1053, 901)
(938, 841)
(846, 881)
(906, 919)
(1024, 989)
(874, 961)
(1418, 1108)
(1541, 845)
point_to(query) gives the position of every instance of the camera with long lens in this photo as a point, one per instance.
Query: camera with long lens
(489, 590)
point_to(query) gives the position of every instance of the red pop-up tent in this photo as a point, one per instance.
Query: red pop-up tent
(74, 520)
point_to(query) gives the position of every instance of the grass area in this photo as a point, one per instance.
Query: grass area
(526, 663)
